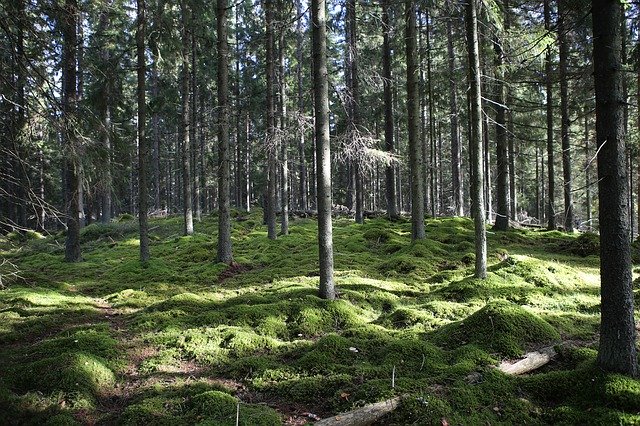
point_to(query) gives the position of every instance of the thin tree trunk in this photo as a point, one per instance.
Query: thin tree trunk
(617, 349)
(433, 177)
(564, 123)
(284, 146)
(456, 160)
(551, 211)
(323, 150)
(195, 150)
(143, 148)
(477, 181)
(224, 222)
(390, 177)
(72, 241)
(587, 170)
(502, 158)
(270, 214)
(416, 160)
(304, 204)
(186, 122)
(355, 106)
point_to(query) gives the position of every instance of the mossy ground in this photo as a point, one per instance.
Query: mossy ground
(183, 340)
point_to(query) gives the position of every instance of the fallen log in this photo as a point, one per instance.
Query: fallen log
(362, 416)
(530, 362)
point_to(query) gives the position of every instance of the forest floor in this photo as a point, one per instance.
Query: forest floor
(183, 340)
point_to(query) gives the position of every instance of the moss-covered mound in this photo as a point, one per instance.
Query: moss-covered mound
(501, 327)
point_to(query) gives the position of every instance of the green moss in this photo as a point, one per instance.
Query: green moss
(398, 265)
(502, 327)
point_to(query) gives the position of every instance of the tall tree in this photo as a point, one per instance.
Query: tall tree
(353, 108)
(323, 147)
(416, 160)
(551, 210)
(564, 113)
(390, 177)
(69, 21)
(456, 157)
(477, 178)
(284, 142)
(224, 221)
(617, 349)
(143, 145)
(270, 213)
(186, 121)
(304, 204)
(502, 155)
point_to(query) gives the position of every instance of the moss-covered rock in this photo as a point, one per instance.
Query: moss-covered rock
(501, 327)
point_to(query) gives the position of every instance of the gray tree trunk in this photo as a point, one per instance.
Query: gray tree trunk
(477, 180)
(390, 176)
(304, 203)
(143, 145)
(551, 210)
(224, 222)
(323, 147)
(416, 160)
(187, 207)
(270, 213)
(284, 145)
(617, 349)
(564, 121)
(502, 158)
(72, 240)
(456, 160)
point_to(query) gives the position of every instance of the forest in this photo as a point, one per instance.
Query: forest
(347, 212)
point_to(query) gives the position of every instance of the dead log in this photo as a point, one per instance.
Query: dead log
(362, 416)
(530, 362)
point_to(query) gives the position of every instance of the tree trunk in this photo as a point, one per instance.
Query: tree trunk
(323, 147)
(390, 178)
(587, 170)
(72, 241)
(456, 160)
(270, 213)
(502, 158)
(564, 123)
(551, 211)
(617, 349)
(416, 160)
(186, 122)
(354, 110)
(224, 222)
(477, 181)
(304, 204)
(143, 149)
(284, 146)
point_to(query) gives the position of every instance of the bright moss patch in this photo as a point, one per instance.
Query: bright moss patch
(501, 327)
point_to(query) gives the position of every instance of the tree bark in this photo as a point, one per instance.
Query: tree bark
(270, 214)
(354, 109)
(304, 203)
(617, 349)
(323, 147)
(416, 160)
(72, 241)
(564, 121)
(551, 211)
(477, 180)
(456, 160)
(224, 222)
(390, 178)
(284, 146)
(186, 122)
(502, 155)
(143, 148)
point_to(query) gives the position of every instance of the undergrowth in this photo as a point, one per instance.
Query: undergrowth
(184, 340)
